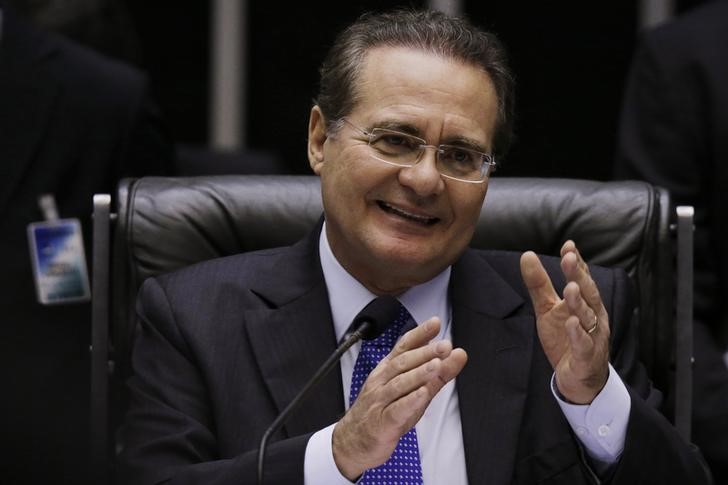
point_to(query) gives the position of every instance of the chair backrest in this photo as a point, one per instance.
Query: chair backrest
(167, 223)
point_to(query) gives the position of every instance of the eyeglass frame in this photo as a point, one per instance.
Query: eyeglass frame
(489, 163)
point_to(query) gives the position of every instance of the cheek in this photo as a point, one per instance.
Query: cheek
(466, 205)
(344, 186)
(466, 215)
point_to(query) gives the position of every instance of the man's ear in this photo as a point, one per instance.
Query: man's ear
(316, 139)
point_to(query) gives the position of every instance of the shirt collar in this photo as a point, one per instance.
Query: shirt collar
(347, 296)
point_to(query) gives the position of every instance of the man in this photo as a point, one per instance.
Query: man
(72, 123)
(412, 109)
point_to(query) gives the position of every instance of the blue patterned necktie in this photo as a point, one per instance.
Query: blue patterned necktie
(403, 467)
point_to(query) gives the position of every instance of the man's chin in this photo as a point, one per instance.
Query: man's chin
(415, 266)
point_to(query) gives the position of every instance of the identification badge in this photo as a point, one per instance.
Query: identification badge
(59, 261)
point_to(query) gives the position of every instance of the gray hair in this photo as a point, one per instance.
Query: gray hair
(426, 30)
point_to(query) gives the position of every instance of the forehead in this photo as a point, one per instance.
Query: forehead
(437, 95)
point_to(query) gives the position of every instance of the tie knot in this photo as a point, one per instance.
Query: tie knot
(373, 351)
(392, 332)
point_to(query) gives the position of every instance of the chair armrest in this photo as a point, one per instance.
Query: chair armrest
(684, 322)
(99, 433)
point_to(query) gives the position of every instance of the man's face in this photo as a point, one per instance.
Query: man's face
(394, 227)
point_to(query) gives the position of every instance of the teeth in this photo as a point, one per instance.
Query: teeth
(403, 213)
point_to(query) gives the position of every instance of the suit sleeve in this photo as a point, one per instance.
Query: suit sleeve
(169, 435)
(650, 439)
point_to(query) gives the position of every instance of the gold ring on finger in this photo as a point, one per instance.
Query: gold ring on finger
(594, 326)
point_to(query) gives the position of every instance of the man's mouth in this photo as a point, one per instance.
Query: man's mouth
(424, 220)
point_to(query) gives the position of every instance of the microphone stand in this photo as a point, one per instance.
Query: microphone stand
(353, 338)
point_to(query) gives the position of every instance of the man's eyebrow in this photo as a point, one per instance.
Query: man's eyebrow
(459, 141)
(465, 142)
(397, 126)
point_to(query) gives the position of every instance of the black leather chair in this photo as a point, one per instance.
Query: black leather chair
(162, 224)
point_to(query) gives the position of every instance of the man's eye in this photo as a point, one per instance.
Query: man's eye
(462, 156)
(397, 140)
(459, 156)
(392, 142)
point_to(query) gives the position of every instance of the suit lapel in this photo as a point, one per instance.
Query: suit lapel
(294, 338)
(26, 98)
(492, 388)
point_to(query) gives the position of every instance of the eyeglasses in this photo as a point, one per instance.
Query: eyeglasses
(405, 150)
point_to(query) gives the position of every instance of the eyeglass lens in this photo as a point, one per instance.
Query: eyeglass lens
(403, 149)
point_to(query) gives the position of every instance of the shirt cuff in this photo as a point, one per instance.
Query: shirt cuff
(318, 463)
(602, 425)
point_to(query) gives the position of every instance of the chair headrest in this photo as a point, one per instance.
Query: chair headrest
(173, 222)
(167, 223)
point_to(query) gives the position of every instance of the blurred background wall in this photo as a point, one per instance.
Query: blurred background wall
(570, 59)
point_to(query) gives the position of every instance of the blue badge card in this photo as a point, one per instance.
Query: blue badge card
(59, 261)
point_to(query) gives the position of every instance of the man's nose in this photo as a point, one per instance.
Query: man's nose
(423, 177)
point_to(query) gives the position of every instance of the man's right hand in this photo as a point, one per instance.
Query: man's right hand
(394, 398)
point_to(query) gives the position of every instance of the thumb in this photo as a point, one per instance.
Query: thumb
(540, 288)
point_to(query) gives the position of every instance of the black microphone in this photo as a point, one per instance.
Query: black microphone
(367, 325)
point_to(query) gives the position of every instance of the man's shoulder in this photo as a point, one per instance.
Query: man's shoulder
(240, 268)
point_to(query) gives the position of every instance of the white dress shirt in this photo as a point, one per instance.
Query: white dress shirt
(601, 426)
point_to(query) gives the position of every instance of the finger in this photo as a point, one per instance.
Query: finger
(539, 285)
(433, 374)
(448, 369)
(417, 337)
(395, 363)
(411, 359)
(570, 247)
(577, 261)
(453, 364)
(406, 382)
(582, 345)
(576, 270)
(408, 371)
(409, 407)
(405, 412)
(579, 307)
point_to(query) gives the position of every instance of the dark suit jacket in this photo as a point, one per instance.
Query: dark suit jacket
(71, 123)
(674, 133)
(225, 345)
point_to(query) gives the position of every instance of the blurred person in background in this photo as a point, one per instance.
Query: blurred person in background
(72, 123)
(674, 133)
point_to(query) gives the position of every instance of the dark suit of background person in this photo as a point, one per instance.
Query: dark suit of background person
(71, 123)
(674, 133)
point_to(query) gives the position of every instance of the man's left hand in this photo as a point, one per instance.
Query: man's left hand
(574, 331)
